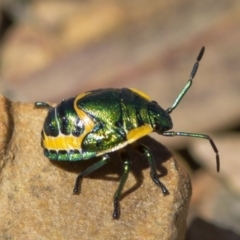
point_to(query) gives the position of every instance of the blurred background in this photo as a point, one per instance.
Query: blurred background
(50, 50)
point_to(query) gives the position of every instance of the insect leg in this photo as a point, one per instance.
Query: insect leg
(126, 168)
(105, 158)
(197, 135)
(153, 173)
(42, 105)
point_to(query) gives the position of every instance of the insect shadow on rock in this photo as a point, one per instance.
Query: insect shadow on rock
(102, 121)
(112, 172)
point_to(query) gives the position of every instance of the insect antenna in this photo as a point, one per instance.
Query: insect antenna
(177, 101)
(189, 82)
(197, 135)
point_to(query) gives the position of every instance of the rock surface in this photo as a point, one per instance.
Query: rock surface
(36, 199)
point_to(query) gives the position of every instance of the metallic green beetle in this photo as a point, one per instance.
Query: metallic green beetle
(102, 121)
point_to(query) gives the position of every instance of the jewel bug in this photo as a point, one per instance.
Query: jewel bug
(98, 122)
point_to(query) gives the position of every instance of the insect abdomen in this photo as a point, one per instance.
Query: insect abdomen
(62, 133)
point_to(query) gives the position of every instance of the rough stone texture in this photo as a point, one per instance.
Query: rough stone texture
(36, 199)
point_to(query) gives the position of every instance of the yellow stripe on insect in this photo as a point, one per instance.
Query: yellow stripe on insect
(68, 142)
(139, 132)
(62, 142)
(142, 94)
(87, 121)
(132, 136)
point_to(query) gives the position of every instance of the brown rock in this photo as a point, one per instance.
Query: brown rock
(36, 199)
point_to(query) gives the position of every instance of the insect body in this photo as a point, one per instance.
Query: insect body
(102, 121)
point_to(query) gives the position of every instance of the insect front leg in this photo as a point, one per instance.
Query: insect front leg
(153, 172)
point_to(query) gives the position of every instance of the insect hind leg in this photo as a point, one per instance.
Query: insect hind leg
(42, 105)
(105, 159)
(126, 169)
